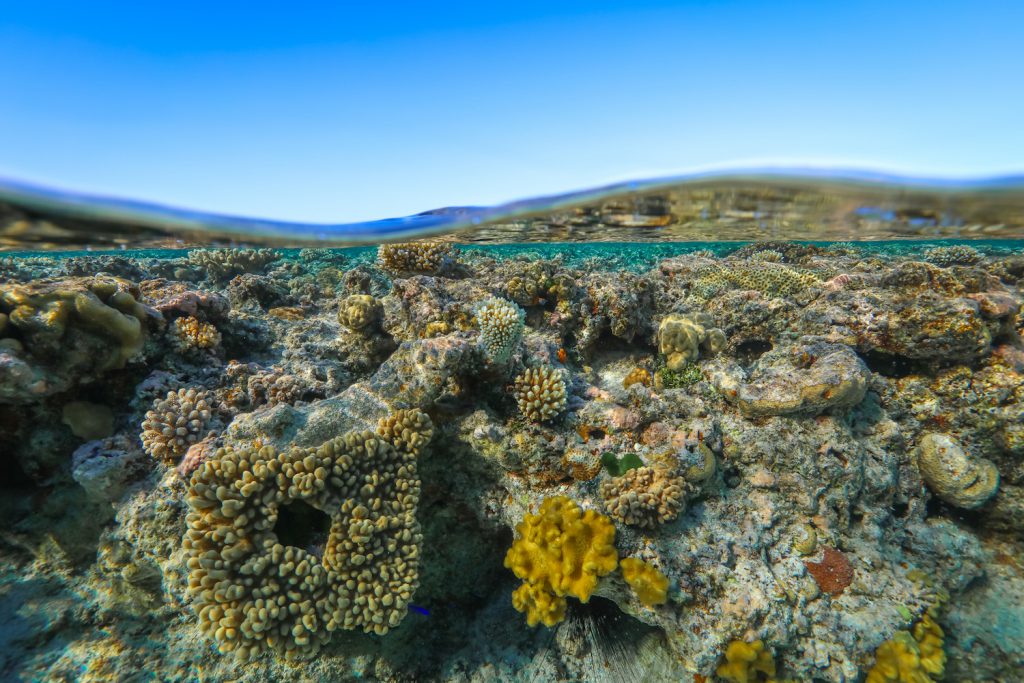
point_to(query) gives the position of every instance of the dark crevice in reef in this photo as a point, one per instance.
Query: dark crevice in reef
(301, 525)
(750, 350)
(895, 366)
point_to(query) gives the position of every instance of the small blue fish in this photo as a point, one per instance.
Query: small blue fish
(422, 610)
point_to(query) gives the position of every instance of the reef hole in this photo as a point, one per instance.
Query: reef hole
(894, 366)
(750, 350)
(301, 525)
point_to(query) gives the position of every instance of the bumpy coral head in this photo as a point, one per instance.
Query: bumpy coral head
(176, 422)
(645, 496)
(359, 312)
(540, 393)
(285, 548)
(501, 325)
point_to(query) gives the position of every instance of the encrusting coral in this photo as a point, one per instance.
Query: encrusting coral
(264, 575)
(649, 584)
(645, 496)
(176, 422)
(540, 393)
(558, 552)
(746, 662)
(501, 328)
(191, 333)
(413, 257)
(55, 333)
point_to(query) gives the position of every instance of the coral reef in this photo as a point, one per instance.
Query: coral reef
(955, 255)
(176, 422)
(501, 328)
(561, 551)
(644, 496)
(540, 393)
(224, 264)
(414, 257)
(261, 581)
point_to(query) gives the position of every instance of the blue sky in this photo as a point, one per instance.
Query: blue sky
(336, 111)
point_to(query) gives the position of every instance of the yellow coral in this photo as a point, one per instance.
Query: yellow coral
(744, 661)
(560, 551)
(649, 584)
(915, 656)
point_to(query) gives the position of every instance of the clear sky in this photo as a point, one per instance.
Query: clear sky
(335, 111)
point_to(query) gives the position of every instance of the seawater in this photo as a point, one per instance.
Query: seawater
(738, 427)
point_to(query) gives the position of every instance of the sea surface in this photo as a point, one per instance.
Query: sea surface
(760, 425)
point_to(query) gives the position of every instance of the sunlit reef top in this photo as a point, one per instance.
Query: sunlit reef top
(717, 207)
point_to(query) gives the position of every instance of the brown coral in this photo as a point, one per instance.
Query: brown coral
(413, 257)
(645, 496)
(540, 393)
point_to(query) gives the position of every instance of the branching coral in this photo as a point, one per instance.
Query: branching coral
(359, 312)
(261, 583)
(954, 255)
(746, 662)
(681, 339)
(224, 264)
(175, 423)
(501, 327)
(191, 333)
(560, 551)
(414, 257)
(645, 496)
(649, 584)
(540, 393)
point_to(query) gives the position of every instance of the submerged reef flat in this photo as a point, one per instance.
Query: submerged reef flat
(771, 461)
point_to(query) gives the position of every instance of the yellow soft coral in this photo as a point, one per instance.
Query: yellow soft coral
(649, 584)
(560, 551)
(744, 661)
(915, 656)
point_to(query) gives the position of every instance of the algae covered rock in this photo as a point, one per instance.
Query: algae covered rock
(57, 333)
(953, 474)
(803, 379)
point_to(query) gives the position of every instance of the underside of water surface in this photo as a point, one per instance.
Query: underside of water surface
(743, 427)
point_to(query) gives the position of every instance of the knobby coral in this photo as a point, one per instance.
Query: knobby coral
(176, 422)
(681, 339)
(501, 327)
(558, 552)
(191, 333)
(540, 393)
(359, 312)
(915, 656)
(645, 496)
(745, 662)
(413, 257)
(649, 584)
(259, 583)
(224, 264)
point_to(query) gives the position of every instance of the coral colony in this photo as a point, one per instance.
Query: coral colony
(781, 463)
